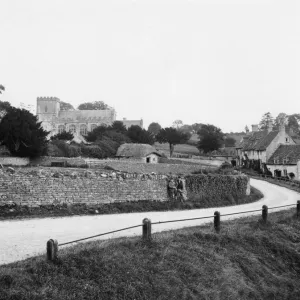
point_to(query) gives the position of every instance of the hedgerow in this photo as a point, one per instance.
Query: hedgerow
(216, 186)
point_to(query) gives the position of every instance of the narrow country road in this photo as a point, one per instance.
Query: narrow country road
(20, 239)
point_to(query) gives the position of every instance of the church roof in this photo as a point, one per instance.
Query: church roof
(285, 154)
(86, 115)
(136, 150)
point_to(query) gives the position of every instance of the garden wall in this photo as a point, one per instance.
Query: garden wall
(35, 187)
(46, 161)
(14, 161)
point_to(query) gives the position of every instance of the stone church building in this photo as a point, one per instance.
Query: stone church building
(78, 122)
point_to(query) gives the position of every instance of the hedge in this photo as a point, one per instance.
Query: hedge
(216, 186)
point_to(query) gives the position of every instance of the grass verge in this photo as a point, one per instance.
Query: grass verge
(247, 260)
(17, 212)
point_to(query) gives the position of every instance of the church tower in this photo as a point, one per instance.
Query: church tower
(47, 111)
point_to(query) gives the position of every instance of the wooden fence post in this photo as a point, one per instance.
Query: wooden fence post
(147, 229)
(52, 250)
(298, 208)
(217, 221)
(265, 213)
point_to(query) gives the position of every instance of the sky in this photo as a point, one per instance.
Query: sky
(220, 62)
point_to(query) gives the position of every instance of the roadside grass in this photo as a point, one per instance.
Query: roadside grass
(17, 212)
(247, 260)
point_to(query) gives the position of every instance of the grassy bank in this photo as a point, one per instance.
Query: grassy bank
(15, 212)
(247, 260)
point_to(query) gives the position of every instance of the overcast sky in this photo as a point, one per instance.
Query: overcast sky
(220, 62)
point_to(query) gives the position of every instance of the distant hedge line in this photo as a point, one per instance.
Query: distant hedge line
(204, 187)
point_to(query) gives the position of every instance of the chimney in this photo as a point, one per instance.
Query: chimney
(254, 128)
(270, 126)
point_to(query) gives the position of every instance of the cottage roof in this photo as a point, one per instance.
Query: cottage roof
(285, 154)
(136, 150)
(258, 140)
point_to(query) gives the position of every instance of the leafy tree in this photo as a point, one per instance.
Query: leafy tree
(96, 105)
(293, 123)
(282, 117)
(211, 138)
(22, 134)
(4, 108)
(154, 128)
(66, 106)
(196, 127)
(177, 124)
(64, 136)
(229, 141)
(2, 88)
(186, 129)
(118, 126)
(171, 136)
(139, 135)
(265, 120)
(97, 133)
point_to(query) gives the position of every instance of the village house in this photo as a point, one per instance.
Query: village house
(78, 122)
(258, 146)
(285, 161)
(139, 153)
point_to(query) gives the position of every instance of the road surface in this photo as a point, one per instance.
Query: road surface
(20, 239)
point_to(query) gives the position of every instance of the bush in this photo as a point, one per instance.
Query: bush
(216, 186)
(92, 151)
(64, 136)
(64, 149)
(54, 151)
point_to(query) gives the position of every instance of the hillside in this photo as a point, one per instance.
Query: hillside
(247, 260)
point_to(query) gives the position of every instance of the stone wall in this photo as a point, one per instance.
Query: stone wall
(35, 187)
(14, 161)
(46, 161)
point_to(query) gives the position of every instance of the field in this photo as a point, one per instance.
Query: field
(247, 260)
(181, 148)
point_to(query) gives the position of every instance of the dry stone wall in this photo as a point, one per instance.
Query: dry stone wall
(37, 187)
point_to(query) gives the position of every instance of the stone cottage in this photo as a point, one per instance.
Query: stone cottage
(285, 161)
(258, 146)
(138, 152)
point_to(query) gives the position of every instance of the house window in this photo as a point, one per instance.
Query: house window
(83, 129)
(285, 172)
(61, 128)
(287, 140)
(72, 128)
(93, 126)
(148, 159)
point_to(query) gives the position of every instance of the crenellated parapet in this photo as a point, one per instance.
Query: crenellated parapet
(48, 99)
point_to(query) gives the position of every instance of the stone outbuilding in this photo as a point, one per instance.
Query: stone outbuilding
(138, 152)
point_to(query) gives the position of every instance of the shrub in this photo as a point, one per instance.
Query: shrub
(216, 186)
(64, 136)
(66, 150)
(54, 151)
(92, 151)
